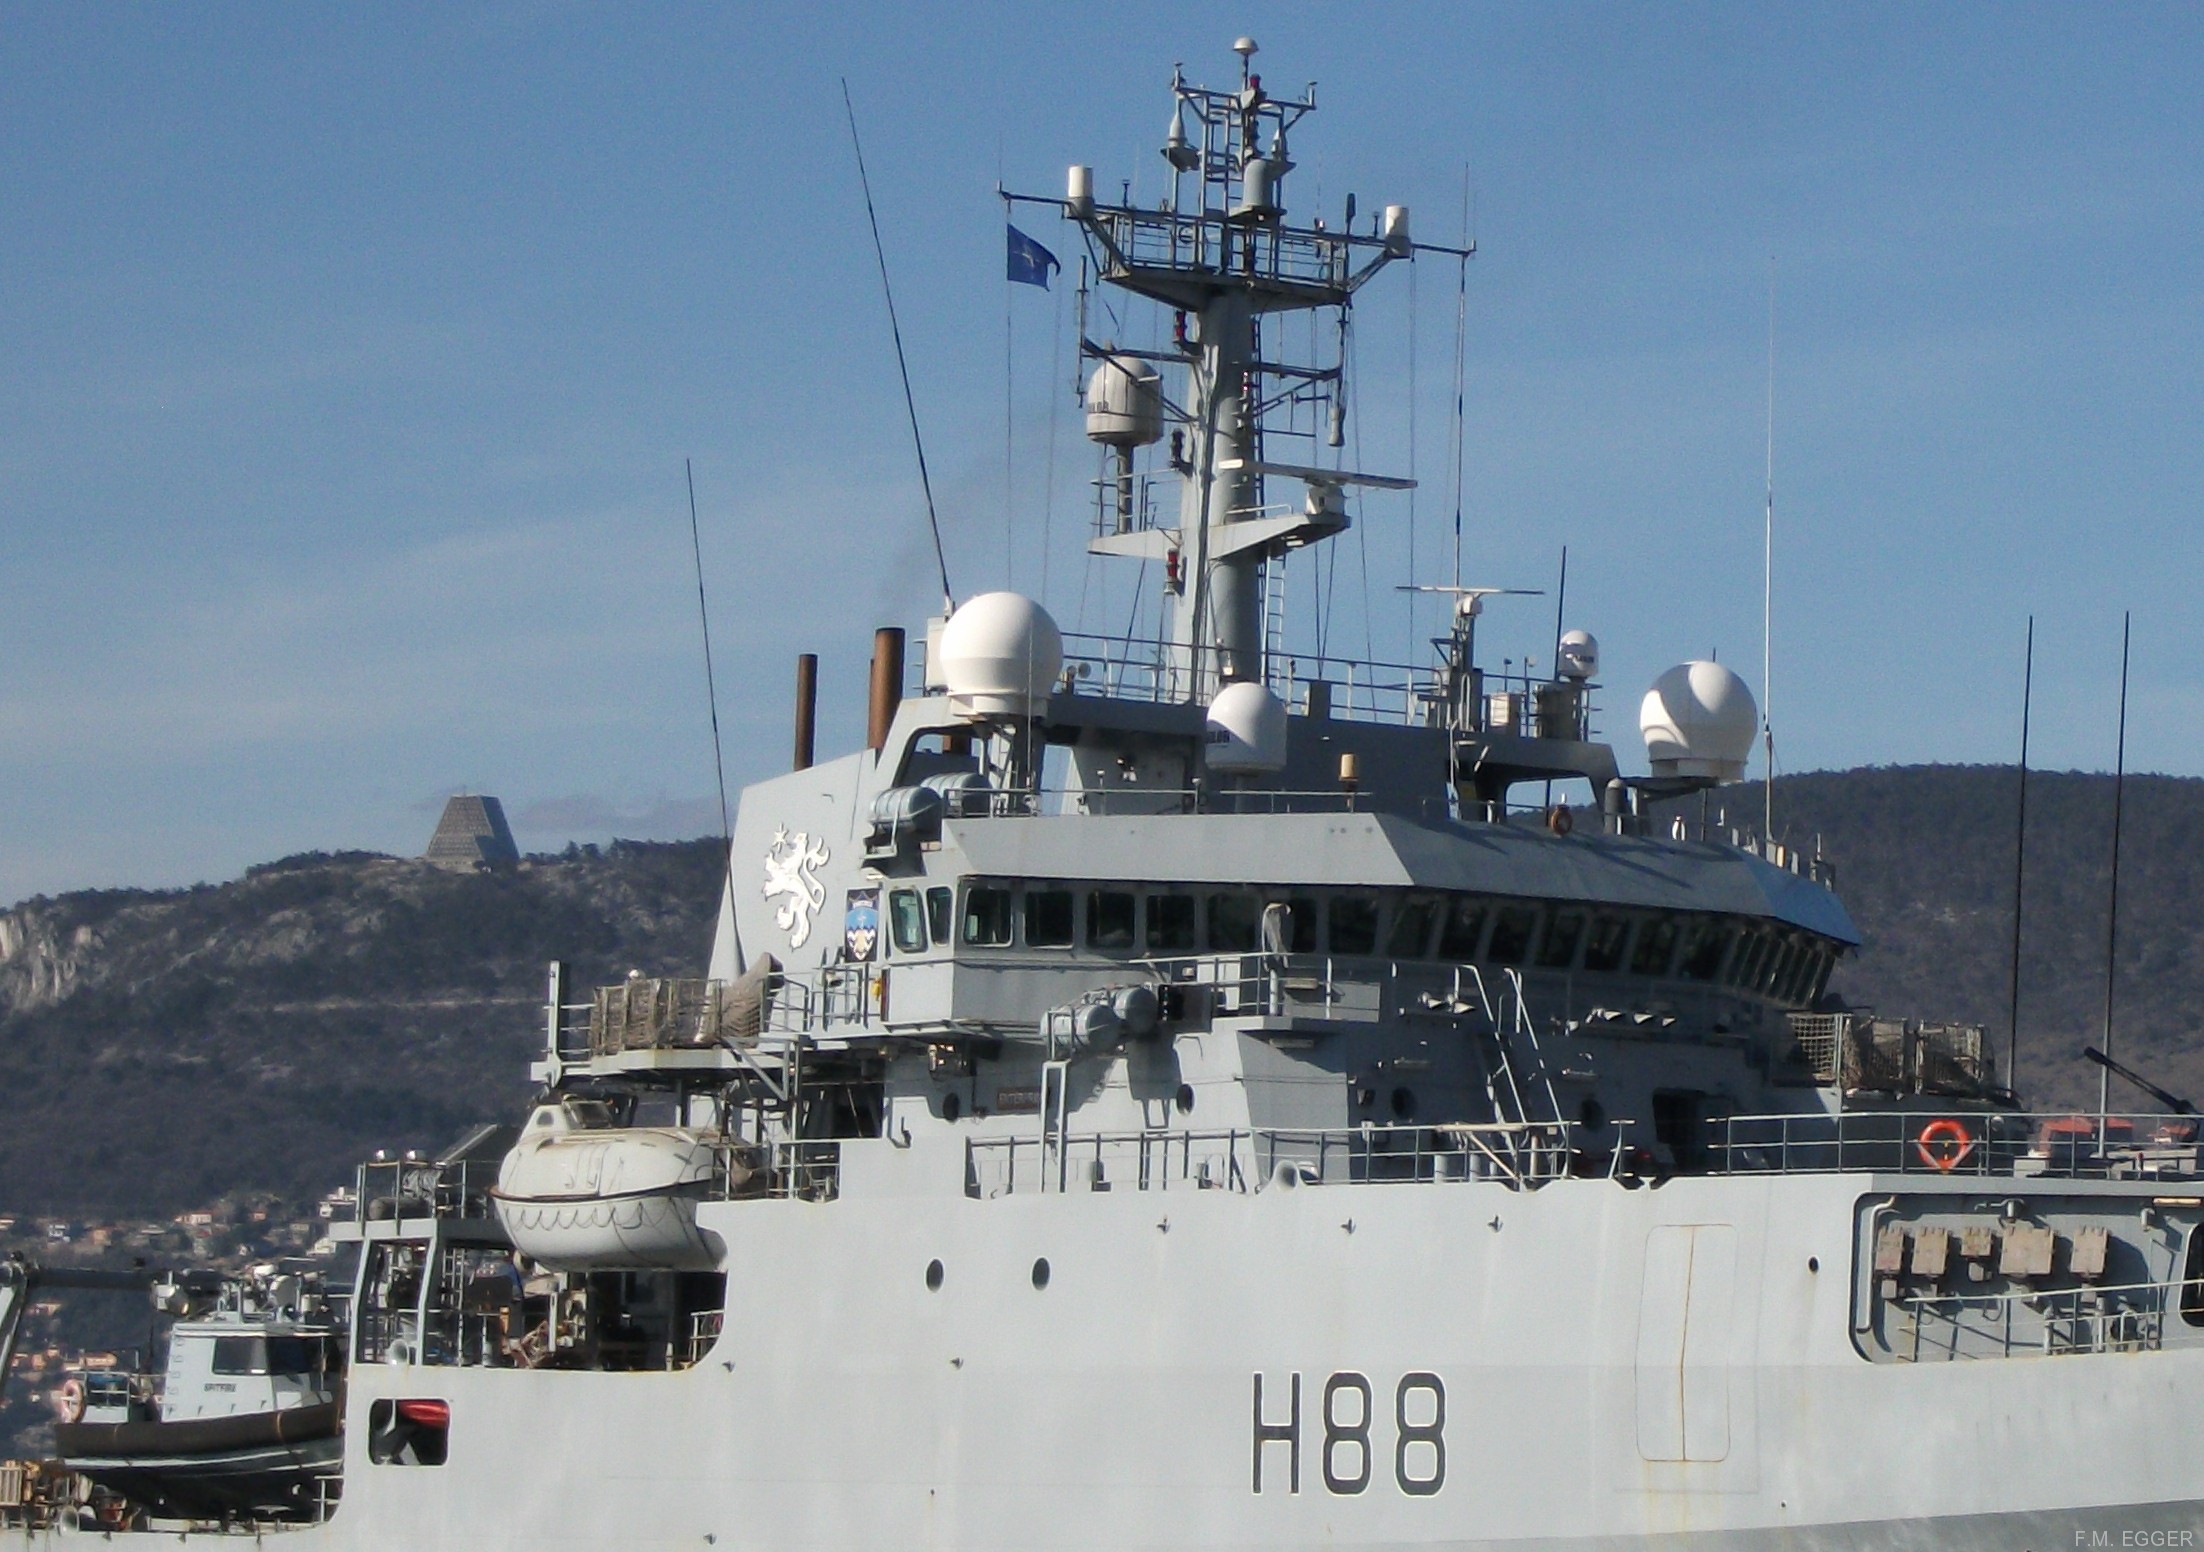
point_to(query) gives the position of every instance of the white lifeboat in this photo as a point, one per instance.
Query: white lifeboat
(579, 1193)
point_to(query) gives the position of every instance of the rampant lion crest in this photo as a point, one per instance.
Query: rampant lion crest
(790, 863)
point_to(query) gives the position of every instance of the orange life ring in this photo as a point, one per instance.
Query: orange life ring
(1944, 1144)
(1559, 819)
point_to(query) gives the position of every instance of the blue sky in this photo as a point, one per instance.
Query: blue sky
(352, 354)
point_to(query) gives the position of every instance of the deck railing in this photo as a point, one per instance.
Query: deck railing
(1958, 1142)
(2125, 1317)
(1518, 1154)
(420, 1188)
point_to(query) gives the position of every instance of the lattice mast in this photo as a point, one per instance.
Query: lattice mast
(1219, 251)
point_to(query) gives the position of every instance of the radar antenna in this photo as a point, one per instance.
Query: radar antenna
(1220, 253)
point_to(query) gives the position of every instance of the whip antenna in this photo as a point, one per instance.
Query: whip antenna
(2112, 923)
(711, 689)
(1767, 595)
(910, 405)
(2020, 854)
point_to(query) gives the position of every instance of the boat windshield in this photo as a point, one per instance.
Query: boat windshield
(269, 1354)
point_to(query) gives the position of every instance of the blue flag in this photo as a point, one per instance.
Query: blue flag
(1029, 261)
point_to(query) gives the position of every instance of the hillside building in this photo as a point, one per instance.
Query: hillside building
(472, 834)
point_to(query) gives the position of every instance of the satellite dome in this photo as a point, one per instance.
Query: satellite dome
(1699, 720)
(1124, 403)
(1000, 655)
(1246, 731)
(1579, 657)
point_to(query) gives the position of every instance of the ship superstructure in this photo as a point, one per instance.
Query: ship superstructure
(1172, 1093)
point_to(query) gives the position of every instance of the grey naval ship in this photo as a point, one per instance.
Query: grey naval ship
(1182, 1092)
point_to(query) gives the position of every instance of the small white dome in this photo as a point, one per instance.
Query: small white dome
(1124, 403)
(1579, 654)
(1699, 720)
(1246, 731)
(1000, 655)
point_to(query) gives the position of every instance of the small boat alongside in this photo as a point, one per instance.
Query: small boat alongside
(244, 1420)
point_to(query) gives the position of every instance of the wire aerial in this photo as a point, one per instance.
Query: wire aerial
(1767, 594)
(2020, 854)
(711, 687)
(910, 405)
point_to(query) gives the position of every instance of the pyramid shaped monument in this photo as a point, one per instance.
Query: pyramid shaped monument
(472, 834)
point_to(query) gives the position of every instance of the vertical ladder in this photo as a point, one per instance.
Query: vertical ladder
(1274, 620)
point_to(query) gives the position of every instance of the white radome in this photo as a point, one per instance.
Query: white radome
(1124, 403)
(1246, 731)
(1000, 655)
(1579, 654)
(1698, 720)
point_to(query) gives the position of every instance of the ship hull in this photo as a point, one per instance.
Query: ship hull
(851, 1405)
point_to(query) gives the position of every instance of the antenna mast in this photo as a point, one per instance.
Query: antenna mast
(711, 687)
(1767, 596)
(910, 405)
(1221, 255)
(2112, 927)
(2020, 855)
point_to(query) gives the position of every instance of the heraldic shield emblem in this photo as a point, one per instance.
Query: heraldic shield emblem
(861, 925)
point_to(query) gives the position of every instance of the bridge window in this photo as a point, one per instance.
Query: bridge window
(1603, 949)
(1235, 923)
(1775, 980)
(1745, 966)
(1824, 962)
(1171, 924)
(1810, 971)
(1411, 934)
(1705, 947)
(1558, 951)
(1354, 924)
(907, 921)
(1110, 915)
(1655, 947)
(1463, 927)
(939, 909)
(987, 916)
(1048, 918)
(1513, 929)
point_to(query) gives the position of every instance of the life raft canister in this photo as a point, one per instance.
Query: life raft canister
(1944, 1144)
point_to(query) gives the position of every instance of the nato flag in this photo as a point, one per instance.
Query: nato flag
(1029, 261)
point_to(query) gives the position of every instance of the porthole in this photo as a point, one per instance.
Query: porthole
(1404, 1104)
(1813, 1263)
(1040, 1273)
(933, 1276)
(951, 1107)
(1185, 1099)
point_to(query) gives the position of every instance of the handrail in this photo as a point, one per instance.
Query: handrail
(1519, 1154)
(2068, 1323)
(1996, 1143)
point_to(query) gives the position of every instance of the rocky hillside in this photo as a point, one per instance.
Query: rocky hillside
(161, 1048)
(1924, 859)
